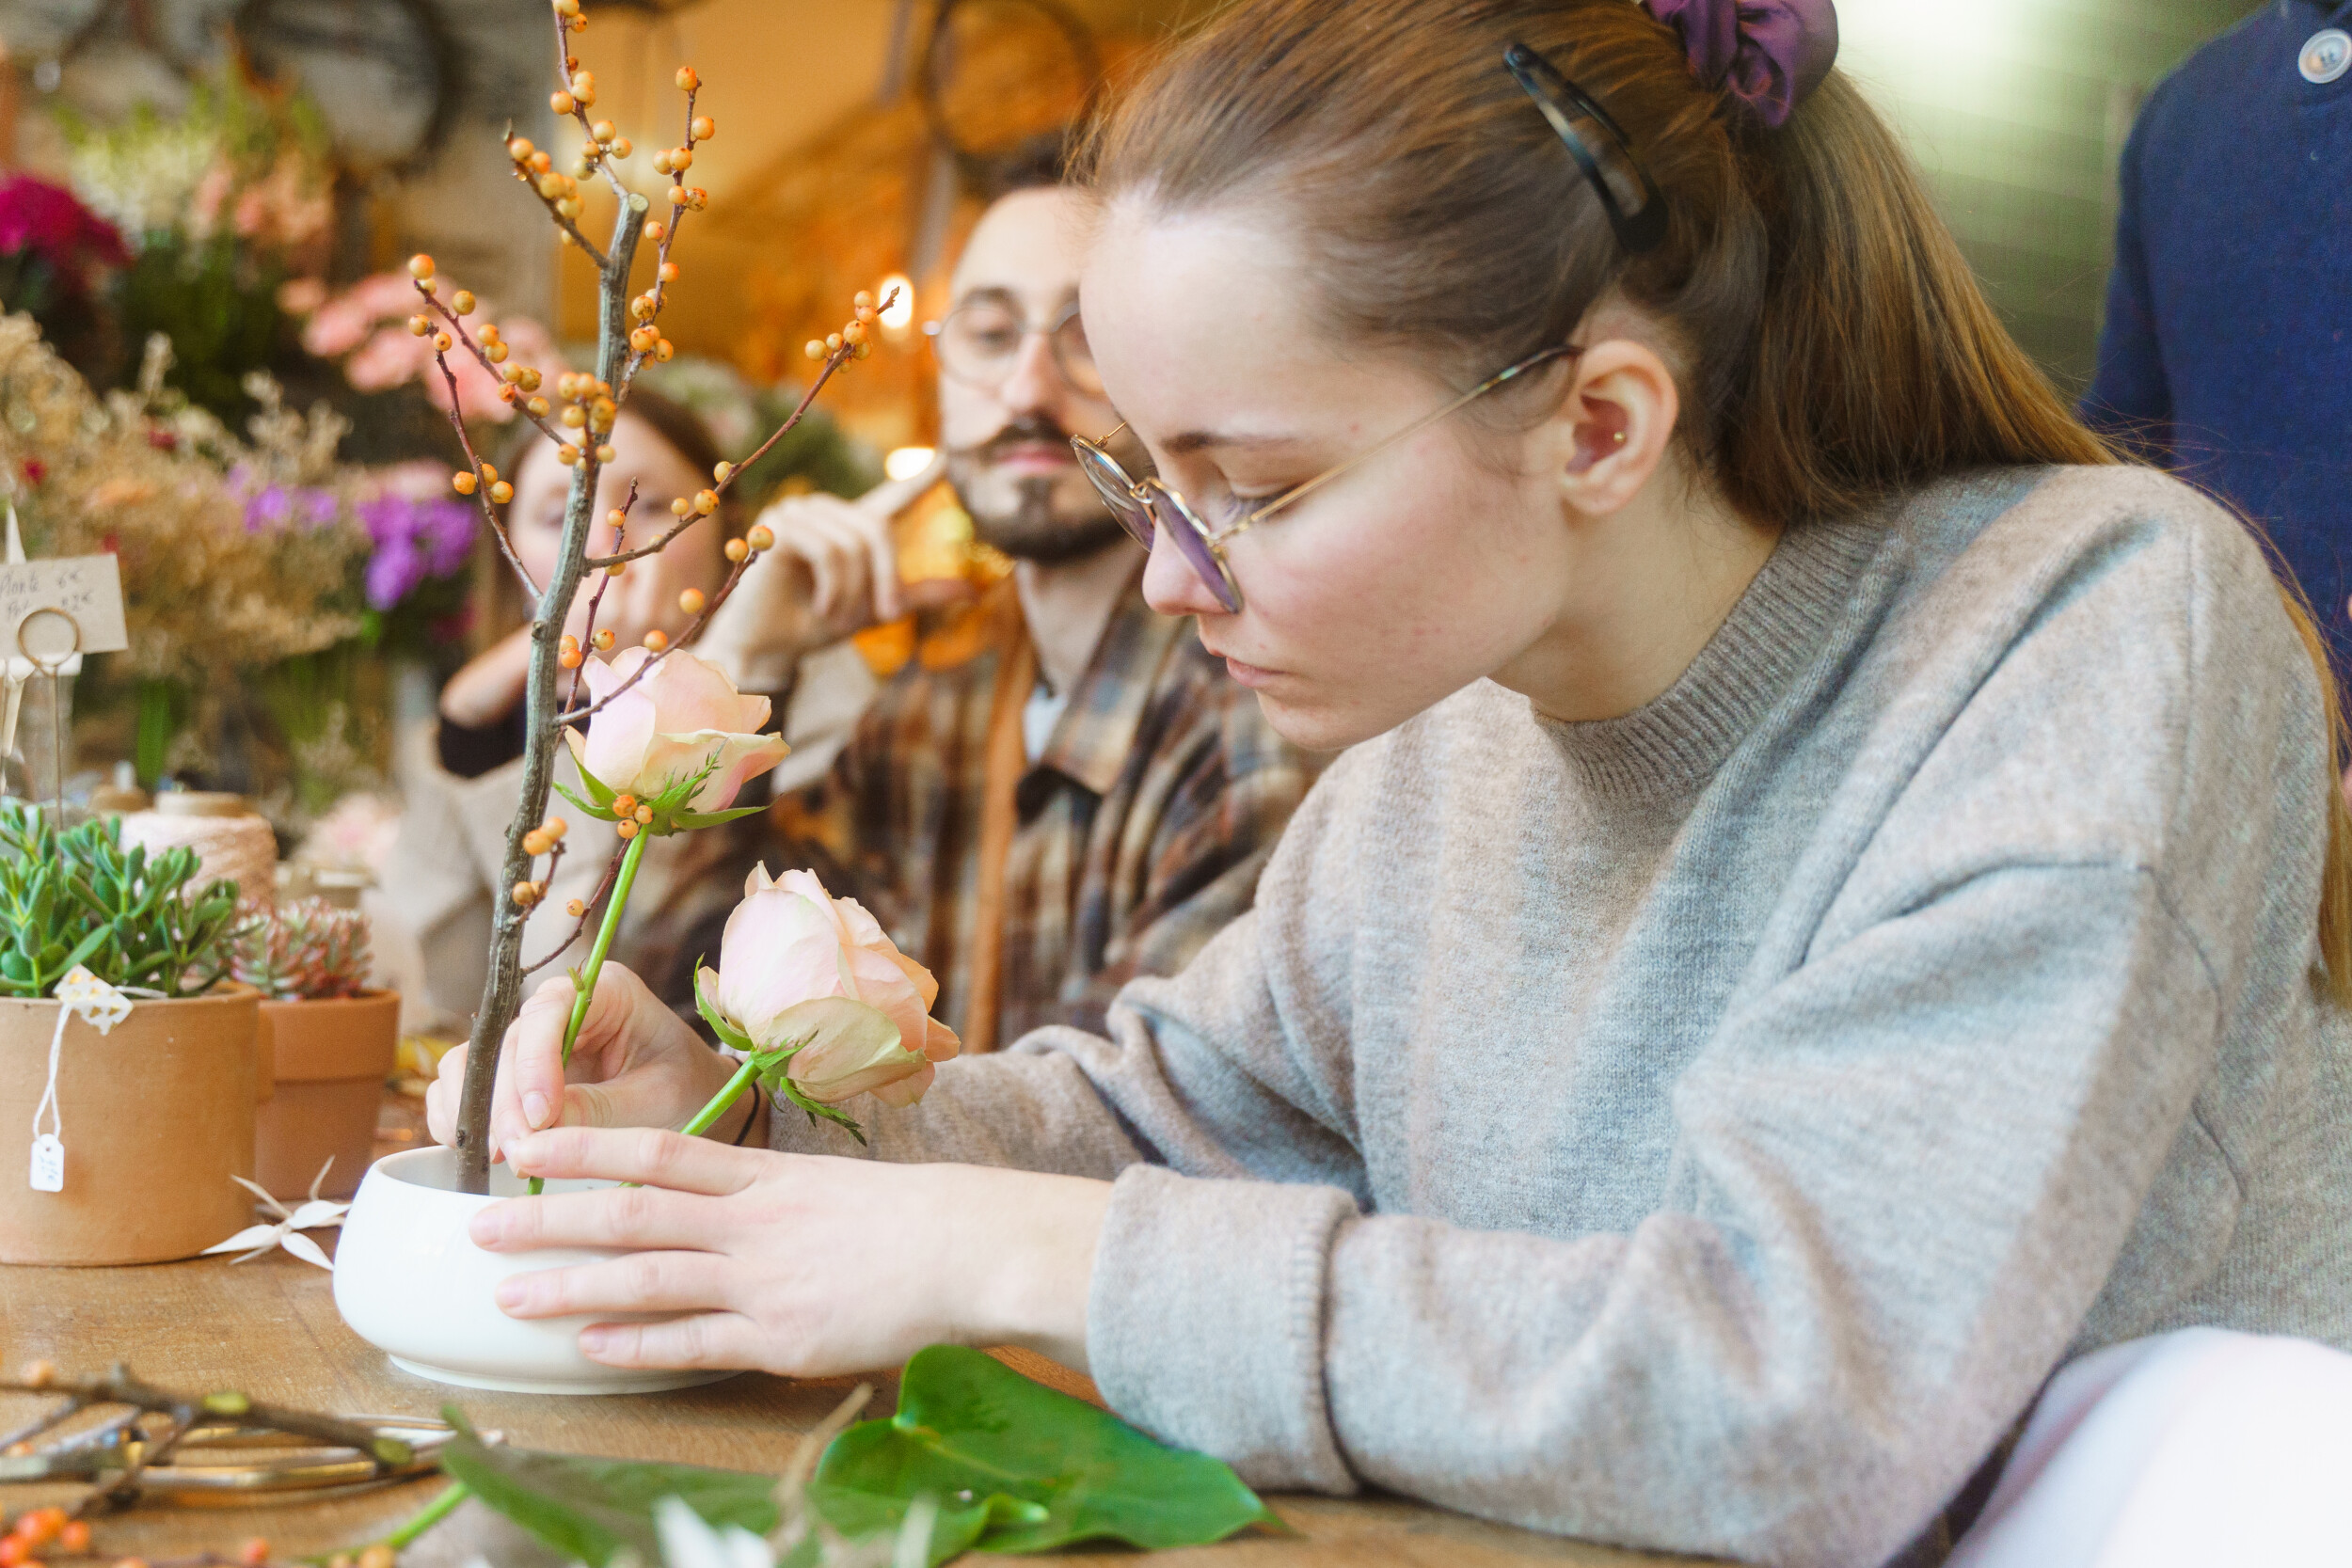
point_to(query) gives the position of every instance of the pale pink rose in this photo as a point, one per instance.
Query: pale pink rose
(789, 942)
(664, 728)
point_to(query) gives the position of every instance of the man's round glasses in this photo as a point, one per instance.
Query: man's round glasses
(1143, 506)
(980, 342)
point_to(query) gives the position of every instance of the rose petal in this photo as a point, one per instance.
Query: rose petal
(903, 1092)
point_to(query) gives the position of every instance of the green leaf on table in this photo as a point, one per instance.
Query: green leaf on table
(1039, 1469)
(593, 1509)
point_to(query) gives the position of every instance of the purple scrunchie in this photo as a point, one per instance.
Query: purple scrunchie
(1768, 53)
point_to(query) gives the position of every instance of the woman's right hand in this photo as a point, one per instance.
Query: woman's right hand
(636, 1064)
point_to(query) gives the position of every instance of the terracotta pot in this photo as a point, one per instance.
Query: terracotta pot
(332, 1057)
(158, 1116)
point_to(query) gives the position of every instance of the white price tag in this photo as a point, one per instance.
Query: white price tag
(84, 995)
(48, 1164)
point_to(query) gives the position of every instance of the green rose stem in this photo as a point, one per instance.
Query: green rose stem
(584, 983)
(727, 1096)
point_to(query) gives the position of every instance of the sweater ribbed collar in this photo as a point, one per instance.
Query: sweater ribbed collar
(1670, 747)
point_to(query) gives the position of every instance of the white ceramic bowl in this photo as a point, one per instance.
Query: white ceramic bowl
(410, 1281)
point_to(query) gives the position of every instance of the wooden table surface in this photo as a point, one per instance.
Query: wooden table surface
(269, 1328)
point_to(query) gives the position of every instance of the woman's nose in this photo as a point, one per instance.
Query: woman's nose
(1171, 586)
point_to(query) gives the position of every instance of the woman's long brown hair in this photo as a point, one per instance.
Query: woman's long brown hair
(1834, 347)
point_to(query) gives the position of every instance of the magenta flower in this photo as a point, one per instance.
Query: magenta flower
(46, 220)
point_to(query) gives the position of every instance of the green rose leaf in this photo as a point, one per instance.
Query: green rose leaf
(1045, 1469)
(595, 1508)
(716, 1016)
(603, 814)
(712, 818)
(599, 791)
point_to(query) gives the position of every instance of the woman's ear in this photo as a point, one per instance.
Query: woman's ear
(1613, 428)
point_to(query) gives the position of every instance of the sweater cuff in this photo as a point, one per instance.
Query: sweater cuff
(1205, 1319)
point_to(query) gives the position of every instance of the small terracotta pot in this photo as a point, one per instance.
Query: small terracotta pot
(158, 1116)
(332, 1057)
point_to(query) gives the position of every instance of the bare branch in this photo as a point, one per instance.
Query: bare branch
(596, 600)
(481, 484)
(587, 913)
(832, 362)
(457, 331)
(694, 629)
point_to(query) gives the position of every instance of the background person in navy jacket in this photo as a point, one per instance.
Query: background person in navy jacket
(2227, 352)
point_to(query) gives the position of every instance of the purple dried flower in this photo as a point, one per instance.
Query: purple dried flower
(414, 540)
(318, 506)
(267, 509)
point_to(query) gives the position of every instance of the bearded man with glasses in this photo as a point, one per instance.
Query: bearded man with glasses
(1062, 789)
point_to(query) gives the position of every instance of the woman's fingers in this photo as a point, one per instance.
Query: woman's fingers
(680, 1281)
(641, 1218)
(651, 1156)
(715, 1340)
(530, 1073)
(442, 1094)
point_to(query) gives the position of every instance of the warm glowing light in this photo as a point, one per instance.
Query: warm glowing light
(900, 313)
(906, 462)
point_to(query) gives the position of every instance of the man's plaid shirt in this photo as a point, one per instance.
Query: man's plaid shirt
(1142, 826)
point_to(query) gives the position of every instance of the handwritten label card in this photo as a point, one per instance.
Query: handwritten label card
(88, 588)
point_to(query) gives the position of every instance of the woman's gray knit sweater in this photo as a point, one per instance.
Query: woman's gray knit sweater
(1708, 1129)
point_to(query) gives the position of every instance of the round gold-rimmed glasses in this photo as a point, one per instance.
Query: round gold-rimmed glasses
(1143, 506)
(979, 343)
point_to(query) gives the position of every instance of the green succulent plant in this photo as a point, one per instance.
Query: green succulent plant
(80, 897)
(304, 951)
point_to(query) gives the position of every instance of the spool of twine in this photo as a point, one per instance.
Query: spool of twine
(231, 841)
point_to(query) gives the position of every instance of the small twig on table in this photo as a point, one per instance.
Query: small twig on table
(187, 1413)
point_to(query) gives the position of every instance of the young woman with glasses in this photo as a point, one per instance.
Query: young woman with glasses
(1837, 910)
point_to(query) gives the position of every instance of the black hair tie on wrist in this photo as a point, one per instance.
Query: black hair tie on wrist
(745, 1130)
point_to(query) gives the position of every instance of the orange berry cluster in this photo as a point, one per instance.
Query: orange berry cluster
(582, 93)
(37, 1527)
(520, 380)
(537, 168)
(546, 836)
(464, 482)
(857, 332)
(378, 1556)
(629, 812)
(588, 409)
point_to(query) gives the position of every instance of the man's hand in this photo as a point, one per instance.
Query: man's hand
(834, 570)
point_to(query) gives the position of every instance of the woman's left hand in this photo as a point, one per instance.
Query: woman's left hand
(803, 1265)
